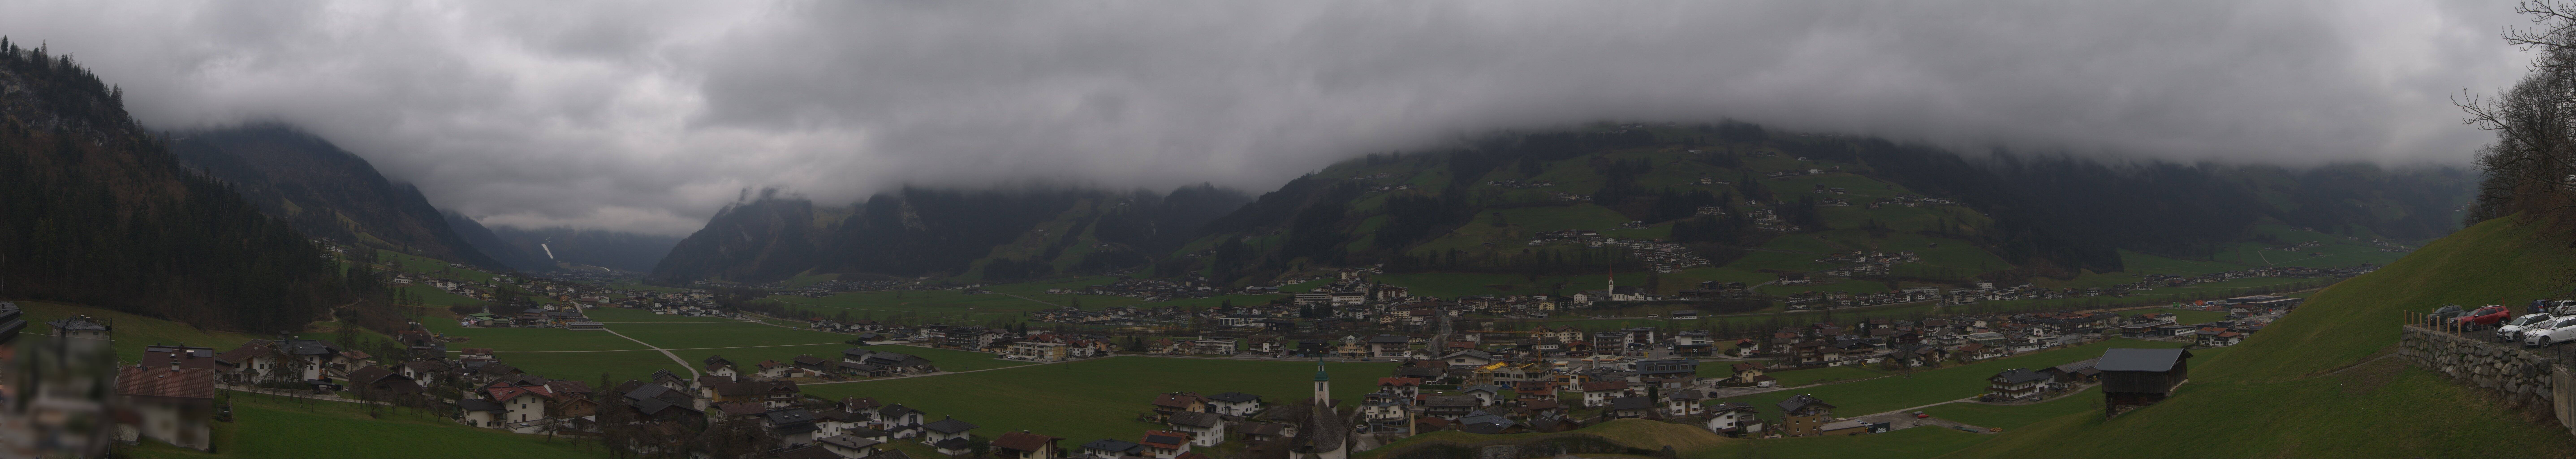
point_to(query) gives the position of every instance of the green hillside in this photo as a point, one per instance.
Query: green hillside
(2297, 385)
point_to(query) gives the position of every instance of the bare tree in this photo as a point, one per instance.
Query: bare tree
(2531, 167)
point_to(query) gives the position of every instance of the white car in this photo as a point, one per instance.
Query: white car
(2511, 330)
(2560, 307)
(2553, 332)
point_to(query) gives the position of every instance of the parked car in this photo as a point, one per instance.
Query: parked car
(2512, 329)
(2443, 313)
(2557, 331)
(2559, 307)
(2485, 316)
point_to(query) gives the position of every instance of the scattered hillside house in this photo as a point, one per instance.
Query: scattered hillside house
(1749, 374)
(948, 435)
(1235, 404)
(1111, 449)
(1218, 346)
(1734, 419)
(481, 413)
(1164, 444)
(1598, 393)
(2219, 337)
(2140, 377)
(776, 394)
(168, 401)
(1806, 415)
(1205, 429)
(889, 362)
(82, 326)
(1025, 445)
(2014, 385)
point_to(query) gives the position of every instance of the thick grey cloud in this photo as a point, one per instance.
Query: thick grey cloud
(649, 116)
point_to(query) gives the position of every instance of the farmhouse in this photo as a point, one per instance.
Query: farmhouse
(1806, 415)
(2140, 377)
(2018, 384)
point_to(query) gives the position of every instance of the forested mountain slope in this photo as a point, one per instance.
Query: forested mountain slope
(1747, 204)
(94, 209)
(324, 191)
(983, 235)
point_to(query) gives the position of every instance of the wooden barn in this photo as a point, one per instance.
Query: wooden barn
(2140, 377)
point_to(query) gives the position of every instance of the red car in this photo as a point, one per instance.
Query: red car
(2486, 316)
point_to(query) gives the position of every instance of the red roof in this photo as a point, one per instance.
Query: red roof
(142, 381)
(1023, 441)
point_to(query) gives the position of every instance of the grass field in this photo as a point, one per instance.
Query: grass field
(2278, 382)
(1795, 378)
(587, 366)
(722, 334)
(1908, 443)
(1093, 399)
(133, 332)
(2015, 416)
(275, 427)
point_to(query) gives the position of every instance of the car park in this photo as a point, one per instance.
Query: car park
(2512, 329)
(2555, 331)
(2443, 313)
(2559, 307)
(2484, 316)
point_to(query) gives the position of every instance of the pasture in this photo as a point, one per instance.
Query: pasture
(1099, 398)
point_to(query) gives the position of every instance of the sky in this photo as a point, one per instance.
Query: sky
(649, 116)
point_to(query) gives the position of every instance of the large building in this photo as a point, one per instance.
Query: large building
(2140, 377)
(1322, 435)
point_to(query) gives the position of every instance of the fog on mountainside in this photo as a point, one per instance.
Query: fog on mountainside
(618, 250)
(324, 191)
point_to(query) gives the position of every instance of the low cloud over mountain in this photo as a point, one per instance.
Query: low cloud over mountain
(651, 117)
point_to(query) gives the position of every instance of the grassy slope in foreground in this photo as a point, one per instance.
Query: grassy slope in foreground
(2272, 396)
(268, 426)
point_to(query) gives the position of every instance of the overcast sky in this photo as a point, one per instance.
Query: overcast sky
(649, 116)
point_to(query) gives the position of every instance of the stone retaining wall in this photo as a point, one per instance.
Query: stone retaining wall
(2520, 375)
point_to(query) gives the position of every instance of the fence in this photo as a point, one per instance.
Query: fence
(2563, 351)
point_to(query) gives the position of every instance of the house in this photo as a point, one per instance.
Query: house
(849, 446)
(1024, 445)
(1390, 346)
(1268, 431)
(1167, 403)
(948, 435)
(2140, 377)
(1205, 429)
(1451, 407)
(1405, 388)
(1598, 393)
(81, 326)
(792, 426)
(1972, 352)
(1164, 444)
(1212, 346)
(2018, 384)
(2220, 338)
(1468, 358)
(899, 421)
(1806, 415)
(2075, 372)
(1734, 419)
(1630, 407)
(1489, 424)
(1038, 351)
(1749, 374)
(481, 413)
(1684, 403)
(1668, 368)
(1111, 449)
(1235, 404)
(169, 402)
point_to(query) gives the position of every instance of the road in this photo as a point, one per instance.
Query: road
(675, 358)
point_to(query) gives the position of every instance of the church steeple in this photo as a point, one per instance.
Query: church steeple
(1323, 385)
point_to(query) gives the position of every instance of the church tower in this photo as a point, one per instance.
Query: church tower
(1323, 385)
